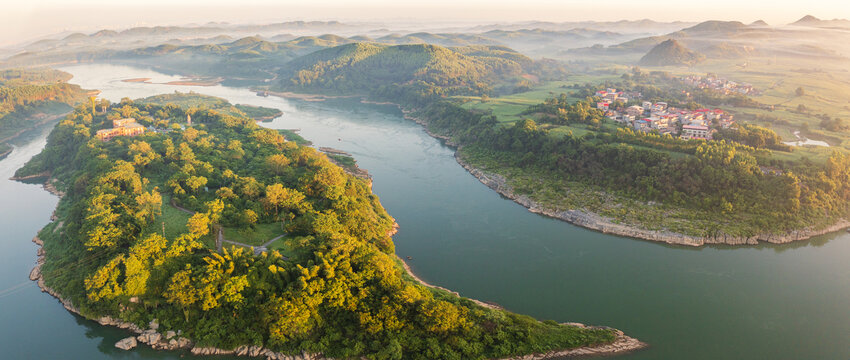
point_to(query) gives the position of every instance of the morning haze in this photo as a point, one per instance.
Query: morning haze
(428, 180)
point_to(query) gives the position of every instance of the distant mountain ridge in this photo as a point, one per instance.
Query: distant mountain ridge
(812, 21)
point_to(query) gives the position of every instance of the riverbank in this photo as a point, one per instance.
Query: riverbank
(172, 340)
(622, 344)
(602, 224)
(5, 153)
(305, 97)
(43, 118)
(596, 222)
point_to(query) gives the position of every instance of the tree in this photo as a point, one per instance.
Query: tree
(277, 163)
(142, 153)
(181, 292)
(101, 223)
(280, 197)
(248, 218)
(800, 91)
(149, 205)
(144, 256)
(199, 224)
(103, 283)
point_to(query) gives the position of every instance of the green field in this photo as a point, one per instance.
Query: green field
(173, 218)
(284, 246)
(508, 108)
(259, 235)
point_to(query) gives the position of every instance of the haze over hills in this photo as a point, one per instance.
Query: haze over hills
(670, 52)
(731, 40)
(534, 37)
(812, 21)
(619, 41)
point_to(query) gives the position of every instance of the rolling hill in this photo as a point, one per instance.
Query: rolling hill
(417, 70)
(670, 52)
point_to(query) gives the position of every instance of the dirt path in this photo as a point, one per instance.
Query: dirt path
(220, 240)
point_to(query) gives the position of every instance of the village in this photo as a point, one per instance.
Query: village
(720, 85)
(659, 117)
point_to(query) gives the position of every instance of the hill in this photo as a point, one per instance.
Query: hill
(812, 21)
(670, 52)
(715, 26)
(404, 70)
(726, 50)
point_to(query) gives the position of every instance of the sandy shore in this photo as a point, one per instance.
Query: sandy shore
(138, 80)
(307, 97)
(196, 82)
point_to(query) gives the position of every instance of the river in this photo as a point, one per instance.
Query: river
(767, 302)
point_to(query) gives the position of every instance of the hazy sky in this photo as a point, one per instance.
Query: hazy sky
(22, 20)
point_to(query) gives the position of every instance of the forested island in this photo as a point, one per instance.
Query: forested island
(137, 242)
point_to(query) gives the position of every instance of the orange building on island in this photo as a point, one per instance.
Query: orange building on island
(121, 127)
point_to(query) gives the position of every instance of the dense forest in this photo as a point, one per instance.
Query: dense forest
(333, 286)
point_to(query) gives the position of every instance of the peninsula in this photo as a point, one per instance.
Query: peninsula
(136, 244)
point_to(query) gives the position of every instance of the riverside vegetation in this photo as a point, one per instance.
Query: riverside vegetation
(334, 287)
(734, 187)
(30, 97)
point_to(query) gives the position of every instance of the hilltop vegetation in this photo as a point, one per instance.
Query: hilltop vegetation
(670, 52)
(408, 73)
(334, 287)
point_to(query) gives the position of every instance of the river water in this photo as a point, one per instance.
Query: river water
(757, 302)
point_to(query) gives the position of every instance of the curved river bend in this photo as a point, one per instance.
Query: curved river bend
(767, 302)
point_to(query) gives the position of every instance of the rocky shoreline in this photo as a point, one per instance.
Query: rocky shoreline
(593, 221)
(172, 340)
(151, 336)
(602, 224)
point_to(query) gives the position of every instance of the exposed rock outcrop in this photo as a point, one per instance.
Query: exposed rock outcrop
(126, 343)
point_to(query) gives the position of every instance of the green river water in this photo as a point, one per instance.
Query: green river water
(756, 302)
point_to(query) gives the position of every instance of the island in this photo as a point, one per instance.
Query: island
(224, 237)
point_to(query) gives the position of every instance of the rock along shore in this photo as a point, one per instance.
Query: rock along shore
(602, 224)
(172, 340)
